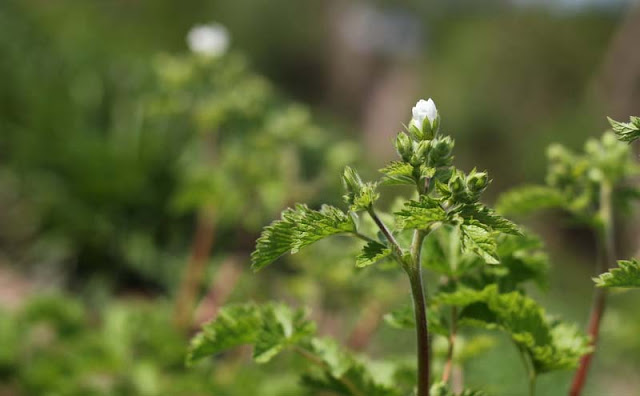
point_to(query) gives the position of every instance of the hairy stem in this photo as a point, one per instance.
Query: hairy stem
(446, 373)
(420, 310)
(607, 257)
(395, 246)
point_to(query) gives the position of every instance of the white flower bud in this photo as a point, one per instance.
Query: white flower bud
(425, 119)
(209, 40)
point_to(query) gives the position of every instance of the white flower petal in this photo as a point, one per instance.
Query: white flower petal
(209, 40)
(424, 109)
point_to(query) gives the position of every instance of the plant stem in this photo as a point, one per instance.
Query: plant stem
(194, 270)
(420, 310)
(446, 373)
(607, 257)
(531, 372)
(413, 267)
(395, 246)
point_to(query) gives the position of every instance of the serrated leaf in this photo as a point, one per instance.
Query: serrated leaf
(358, 380)
(371, 253)
(443, 389)
(420, 214)
(479, 241)
(336, 359)
(550, 345)
(297, 228)
(482, 216)
(527, 199)
(398, 172)
(522, 259)
(281, 327)
(234, 325)
(626, 131)
(627, 275)
(427, 172)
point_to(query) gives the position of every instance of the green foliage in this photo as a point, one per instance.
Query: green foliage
(442, 389)
(270, 328)
(527, 199)
(420, 214)
(298, 228)
(575, 181)
(359, 195)
(281, 327)
(371, 253)
(273, 328)
(398, 172)
(235, 325)
(627, 275)
(484, 217)
(549, 345)
(479, 241)
(462, 236)
(626, 131)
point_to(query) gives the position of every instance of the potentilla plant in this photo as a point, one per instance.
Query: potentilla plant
(479, 259)
(591, 187)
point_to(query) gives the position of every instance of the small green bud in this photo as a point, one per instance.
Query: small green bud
(404, 146)
(441, 149)
(456, 185)
(477, 181)
(420, 152)
(351, 180)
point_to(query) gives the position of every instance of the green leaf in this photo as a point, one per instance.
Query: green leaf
(524, 259)
(627, 275)
(281, 327)
(234, 325)
(626, 131)
(527, 199)
(358, 380)
(296, 229)
(550, 345)
(371, 253)
(335, 358)
(404, 318)
(420, 214)
(398, 172)
(479, 241)
(443, 389)
(401, 318)
(482, 216)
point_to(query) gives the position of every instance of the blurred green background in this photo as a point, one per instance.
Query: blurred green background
(135, 176)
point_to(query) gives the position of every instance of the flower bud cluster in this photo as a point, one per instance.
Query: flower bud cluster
(420, 145)
(604, 159)
(468, 189)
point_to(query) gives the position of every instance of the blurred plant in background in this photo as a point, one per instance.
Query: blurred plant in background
(125, 159)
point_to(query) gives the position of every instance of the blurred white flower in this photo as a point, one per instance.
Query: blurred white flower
(424, 109)
(210, 40)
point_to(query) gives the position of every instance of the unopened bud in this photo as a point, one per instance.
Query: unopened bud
(426, 120)
(404, 146)
(477, 182)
